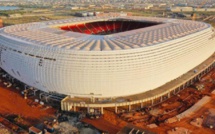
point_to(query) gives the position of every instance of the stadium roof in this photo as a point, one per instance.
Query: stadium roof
(48, 34)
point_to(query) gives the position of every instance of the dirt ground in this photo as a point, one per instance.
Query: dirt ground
(108, 122)
(186, 122)
(13, 104)
(103, 125)
(112, 122)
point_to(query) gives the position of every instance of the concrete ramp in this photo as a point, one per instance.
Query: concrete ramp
(194, 108)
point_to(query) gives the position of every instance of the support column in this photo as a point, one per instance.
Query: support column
(161, 99)
(141, 105)
(116, 111)
(74, 108)
(187, 84)
(46, 98)
(102, 111)
(169, 95)
(129, 107)
(40, 95)
(152, 101)
(66, 106)
(63, 106)
(35, 92)
(88, 109)
(69, 106)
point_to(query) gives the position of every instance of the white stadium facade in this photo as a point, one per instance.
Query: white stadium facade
(104, 57)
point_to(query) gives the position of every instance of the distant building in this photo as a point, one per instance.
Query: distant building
(15, 15)
(73, 7)
(40, 10)
(205, 9)
(92, 5)
(1, 23)
(182, 9)
(85, 14)
(81, 14)
(163, 5)
(191, 9)
(90, 13)
(182, 4)
(143, 6)
(149, 6)
(113, 14)
(107, 6)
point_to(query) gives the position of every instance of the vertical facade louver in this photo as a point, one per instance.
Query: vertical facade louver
(122, 64)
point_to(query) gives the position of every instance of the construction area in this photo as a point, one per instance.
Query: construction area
(26, 110)
(17, 113)
(191, 110)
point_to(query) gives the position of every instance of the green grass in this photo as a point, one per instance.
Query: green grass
(8, 12)
(13, 21)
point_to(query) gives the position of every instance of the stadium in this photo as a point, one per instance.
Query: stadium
(105, 58)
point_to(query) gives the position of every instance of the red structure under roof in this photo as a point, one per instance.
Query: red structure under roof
(107, 27)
